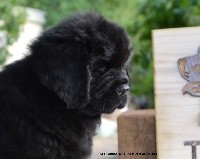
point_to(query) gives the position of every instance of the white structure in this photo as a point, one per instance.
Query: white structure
(3, 39)
(29, 31)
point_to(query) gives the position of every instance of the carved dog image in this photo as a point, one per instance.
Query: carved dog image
(189, 68)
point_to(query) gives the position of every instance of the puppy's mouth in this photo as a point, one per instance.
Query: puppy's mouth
(111, 110)
(121, 106)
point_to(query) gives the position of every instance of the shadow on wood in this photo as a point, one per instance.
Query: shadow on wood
(137, 135)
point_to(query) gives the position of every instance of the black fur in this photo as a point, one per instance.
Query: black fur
(51, 101)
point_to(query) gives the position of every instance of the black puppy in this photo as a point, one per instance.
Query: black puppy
(52, 100)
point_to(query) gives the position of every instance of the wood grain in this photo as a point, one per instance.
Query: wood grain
(136, 134)
(177, 115)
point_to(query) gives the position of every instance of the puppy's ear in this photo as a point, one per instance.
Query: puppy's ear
(63, 68)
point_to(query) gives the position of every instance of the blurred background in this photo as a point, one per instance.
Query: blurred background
(22, 20)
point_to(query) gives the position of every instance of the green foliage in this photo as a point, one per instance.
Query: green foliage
(116, 10)
(11, 16)
(3, 54)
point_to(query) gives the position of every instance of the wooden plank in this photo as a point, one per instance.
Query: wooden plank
(136, 134)
(177, 115)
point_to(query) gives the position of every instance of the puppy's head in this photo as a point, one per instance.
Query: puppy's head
(109, 65)
(85, 60)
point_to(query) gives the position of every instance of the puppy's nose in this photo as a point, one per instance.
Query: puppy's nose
(122, 89)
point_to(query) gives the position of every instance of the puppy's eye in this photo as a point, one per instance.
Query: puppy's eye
(99, 71)
(102, 69)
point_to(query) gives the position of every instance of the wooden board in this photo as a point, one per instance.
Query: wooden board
(177, 115)
(137, 135)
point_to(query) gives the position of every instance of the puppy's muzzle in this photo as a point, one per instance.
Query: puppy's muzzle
(122, 89)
